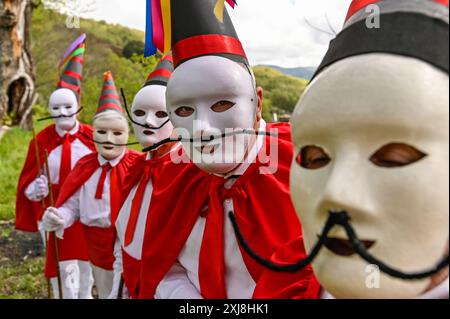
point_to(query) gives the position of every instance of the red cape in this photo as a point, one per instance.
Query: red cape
(298, 285)
(262, 204)
(84, 170)
(132, 266)
(99, 242)
(28, 213)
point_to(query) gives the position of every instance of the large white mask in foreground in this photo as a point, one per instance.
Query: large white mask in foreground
(373, 135)
(63, 107)
(209, 96)
(110, 134)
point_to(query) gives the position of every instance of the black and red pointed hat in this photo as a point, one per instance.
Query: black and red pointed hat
(411, 28)
(191, 29)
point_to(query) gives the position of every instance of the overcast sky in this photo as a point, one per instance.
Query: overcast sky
(280, 32)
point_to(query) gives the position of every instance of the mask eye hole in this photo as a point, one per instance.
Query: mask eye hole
(139, 113)
(68, 107)
(184, 111)
(101, 132)
(55, 108)
(312, 157)
(161, 114)
(396, 155)
(222, 106)
(117, 133)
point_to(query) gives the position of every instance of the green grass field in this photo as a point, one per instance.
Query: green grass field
(13, 149)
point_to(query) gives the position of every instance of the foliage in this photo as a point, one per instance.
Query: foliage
(281, 92)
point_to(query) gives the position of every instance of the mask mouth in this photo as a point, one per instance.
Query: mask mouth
(60, 116)
(207, 149)
(108, 147)
(146, 126)
(208, 139)
(343, 247)
(360, 247)
(107, 143)
(148, 132)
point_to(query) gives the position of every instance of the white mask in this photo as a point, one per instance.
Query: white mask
(350, 111)
(63, 102)
(149, 108)
(207, 96)
(110, 127)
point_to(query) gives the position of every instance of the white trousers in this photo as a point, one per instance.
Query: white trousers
(104, 280)
(76, 276)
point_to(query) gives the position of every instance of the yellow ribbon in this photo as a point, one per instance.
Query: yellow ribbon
(219, 10)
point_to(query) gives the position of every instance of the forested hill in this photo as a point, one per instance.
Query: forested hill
(119, 49)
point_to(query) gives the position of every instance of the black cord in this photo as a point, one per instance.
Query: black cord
(131, 118)
(106, 143)
(60, 116)
(340, 218)
(206, 139)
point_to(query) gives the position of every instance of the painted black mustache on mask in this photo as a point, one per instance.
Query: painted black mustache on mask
(207, 138)
(336, 218)
(137, 123)
(107, 143)
(60, 116)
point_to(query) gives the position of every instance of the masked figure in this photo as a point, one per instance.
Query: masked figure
(371, 142)
(91, 193)
(66, 142)
(191, 250)
(151, 125)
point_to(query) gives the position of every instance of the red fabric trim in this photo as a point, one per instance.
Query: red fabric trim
(78, 59)
(69, 86)
(73, 74)
(206, 44)
(109, 87)
(109, 96)
(160, 72)
(443, 2)
(109, 106)
(357, 5)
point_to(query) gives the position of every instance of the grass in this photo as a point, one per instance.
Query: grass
(13, 150)
(23, 280)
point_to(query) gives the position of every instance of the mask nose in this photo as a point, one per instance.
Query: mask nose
(347, 190)
(150, 119)
(202, 126)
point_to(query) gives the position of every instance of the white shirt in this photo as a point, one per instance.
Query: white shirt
(182, 280)
(84, 206)
(135, 247)
(79, 150)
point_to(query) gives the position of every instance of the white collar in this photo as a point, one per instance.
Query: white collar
(439, 292)
(73, 131)
(113, 162)
(252, 154)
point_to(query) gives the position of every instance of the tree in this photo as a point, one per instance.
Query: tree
(17, 82)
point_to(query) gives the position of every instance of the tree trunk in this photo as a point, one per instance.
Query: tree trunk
(17, 82)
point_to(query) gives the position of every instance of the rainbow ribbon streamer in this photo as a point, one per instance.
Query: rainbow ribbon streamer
(76, 48)
(158, 34)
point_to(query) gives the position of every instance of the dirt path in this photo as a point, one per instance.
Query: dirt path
(21, 264)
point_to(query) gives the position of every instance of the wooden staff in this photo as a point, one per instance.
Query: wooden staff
(38, 163)
(55, 240)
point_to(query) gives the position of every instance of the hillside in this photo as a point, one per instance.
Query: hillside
(300, 72)
(109, 47)
(105, 51)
